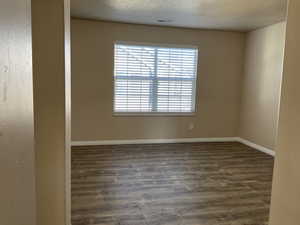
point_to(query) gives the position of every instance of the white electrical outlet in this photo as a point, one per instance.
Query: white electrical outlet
(3, 91)
(191, 126)
(3, 88)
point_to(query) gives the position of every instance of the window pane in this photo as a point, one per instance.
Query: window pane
(177, 63)
(175, 96)
(134, 65)
(132, 95)
(134, 60)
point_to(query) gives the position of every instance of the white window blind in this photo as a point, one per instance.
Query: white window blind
(154, 79)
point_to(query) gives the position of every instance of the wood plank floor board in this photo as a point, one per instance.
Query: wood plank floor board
(171, 184)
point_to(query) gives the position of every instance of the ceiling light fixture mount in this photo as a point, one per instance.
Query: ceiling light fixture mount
(164, 21)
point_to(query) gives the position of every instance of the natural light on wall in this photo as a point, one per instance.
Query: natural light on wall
(154, 79)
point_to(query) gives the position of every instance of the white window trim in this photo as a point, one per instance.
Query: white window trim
(158, 45)
(155, 113)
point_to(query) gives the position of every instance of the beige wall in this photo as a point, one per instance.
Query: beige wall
(285, 207)
(261, 85)
(17, 172)
(51, 73)
(221, 57)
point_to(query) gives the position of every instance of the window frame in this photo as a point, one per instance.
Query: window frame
(155, 113)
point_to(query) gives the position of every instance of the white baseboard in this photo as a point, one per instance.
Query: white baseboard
(257, 147)
(153, 141)
(170, 141)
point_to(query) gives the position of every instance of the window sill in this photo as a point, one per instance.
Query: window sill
(153, 114)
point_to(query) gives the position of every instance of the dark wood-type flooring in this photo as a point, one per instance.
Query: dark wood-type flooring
(171, 184)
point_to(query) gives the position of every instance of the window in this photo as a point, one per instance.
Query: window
(154, 79)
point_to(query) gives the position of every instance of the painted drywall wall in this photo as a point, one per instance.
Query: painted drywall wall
(51, 72)
(285, 207)
(261, 85)
(221, 57)
(17, 172)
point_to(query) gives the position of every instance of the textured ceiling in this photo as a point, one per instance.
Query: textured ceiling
(240, 15)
